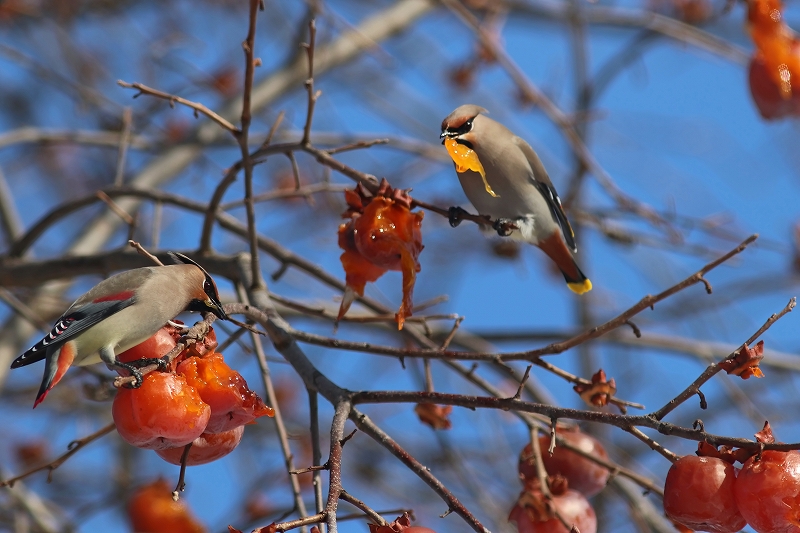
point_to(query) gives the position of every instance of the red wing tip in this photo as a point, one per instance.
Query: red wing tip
(40, 398)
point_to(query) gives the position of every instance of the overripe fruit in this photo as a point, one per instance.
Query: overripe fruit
(164, 412)
(225, 390)
(205, 448)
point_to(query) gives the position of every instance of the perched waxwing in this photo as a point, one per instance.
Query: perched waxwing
(119, 313)
(504, 178)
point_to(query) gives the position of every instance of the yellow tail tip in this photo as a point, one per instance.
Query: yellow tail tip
(580, 287)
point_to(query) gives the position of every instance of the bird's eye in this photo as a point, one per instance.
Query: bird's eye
(207, 286)
(466, 127)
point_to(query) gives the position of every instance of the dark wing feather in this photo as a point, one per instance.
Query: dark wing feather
(554, 202)
(545, 186)
(70, 325)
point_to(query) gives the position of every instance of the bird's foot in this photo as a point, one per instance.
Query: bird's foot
(455, 215)
(137, 375)
(504, 226)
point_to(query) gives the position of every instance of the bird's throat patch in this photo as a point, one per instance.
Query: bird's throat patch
(466, 159)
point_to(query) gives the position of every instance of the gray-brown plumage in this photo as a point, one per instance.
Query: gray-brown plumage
(517, 188)
(119, 313)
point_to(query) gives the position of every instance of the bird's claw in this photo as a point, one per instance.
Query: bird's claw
(137, 375)
(133, 368)
(455, 215)
(504, 226)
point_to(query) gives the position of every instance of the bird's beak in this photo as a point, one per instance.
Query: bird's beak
(443, 135)
(215, 307)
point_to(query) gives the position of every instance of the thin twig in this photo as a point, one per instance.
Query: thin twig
(280, 424)
(141, 249)
(72, 448)
(312, 96)
(128, 219)
(247, 162)
(714, 368)
(371, 513)
(173, 99)
(529, 355)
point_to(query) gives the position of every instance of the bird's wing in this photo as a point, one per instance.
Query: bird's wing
(542, 182)
(72, 323)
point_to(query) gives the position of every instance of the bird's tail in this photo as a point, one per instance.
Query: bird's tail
(55, 366)
(556, 249)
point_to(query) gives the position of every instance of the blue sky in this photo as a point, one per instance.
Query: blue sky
(676, 130)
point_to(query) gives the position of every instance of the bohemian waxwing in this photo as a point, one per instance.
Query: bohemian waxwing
(505, 179)
(119, 313)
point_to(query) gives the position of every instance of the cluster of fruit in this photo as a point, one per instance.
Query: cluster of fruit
(572, 478)
(381, 234)
(199, 400)
(706, 492)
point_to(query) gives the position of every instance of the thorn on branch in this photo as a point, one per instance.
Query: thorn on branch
(636, 331)
(278, 274)
(347, 437)
(699, 426)
(703, 402)
(709, 290)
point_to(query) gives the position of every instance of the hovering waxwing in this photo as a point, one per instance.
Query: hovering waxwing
(119, 313)
(503, 177)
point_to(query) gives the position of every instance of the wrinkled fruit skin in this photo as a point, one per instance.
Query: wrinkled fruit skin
(151, 510)
(583, 475)
(388, 235)
(768, 492)
(385, 236)
(572, 505)
(225, 390)
(699, 493)
(164, 412)
(158, 345)
(205, 448)
(358, 270)
(418, 529)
